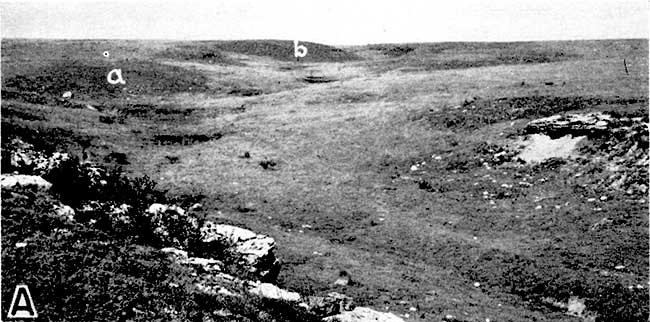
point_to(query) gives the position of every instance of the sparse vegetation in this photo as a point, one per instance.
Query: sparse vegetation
(478, 112)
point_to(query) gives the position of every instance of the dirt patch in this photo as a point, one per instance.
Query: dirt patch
(392, 50)
(246, 92)
(318, 79)
(156, 112)
(357, 97)
(201, 52)
(184, 139)
(617, 144)
(539, 147)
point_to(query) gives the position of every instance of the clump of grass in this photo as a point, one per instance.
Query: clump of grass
(199, 52)
(72, 183)
(268, 164)
(184, 138)
(392, 50)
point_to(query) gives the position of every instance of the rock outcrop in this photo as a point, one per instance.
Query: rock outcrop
(332, 304)
(179, 235)
(619, 143)
(271, 291)
(256, 251)
(574, 306)
(212, 280)
(9, 181)
(363, 314)
(591, 124)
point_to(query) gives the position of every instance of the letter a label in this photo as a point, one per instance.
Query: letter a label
(118, 73)
(22, 306)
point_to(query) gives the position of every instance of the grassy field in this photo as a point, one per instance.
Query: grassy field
(336, 190)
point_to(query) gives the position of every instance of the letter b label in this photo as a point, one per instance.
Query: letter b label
(299, 50)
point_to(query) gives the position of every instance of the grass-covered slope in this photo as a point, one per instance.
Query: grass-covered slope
(458, 55)
(325, 169)
(281, 50)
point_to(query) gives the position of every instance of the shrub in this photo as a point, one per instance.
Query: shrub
(28, 211)
(75, 183)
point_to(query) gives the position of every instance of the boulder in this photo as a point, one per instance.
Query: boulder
(67, 94)
(231, 234)
(179, 254)
(573, 124)
(256, 251)
(9, 181)
(203, 265)
(332, 304)
(363, 314)
(157, 210)
(207, 265)
(218, 283)
(344, 279)
(270, 291)
(256, 248)
(215, 290)
(576, 306)
(64, 212)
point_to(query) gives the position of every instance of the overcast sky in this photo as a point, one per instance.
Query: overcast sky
(337, 22)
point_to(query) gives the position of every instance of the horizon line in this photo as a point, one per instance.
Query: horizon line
(315, 42)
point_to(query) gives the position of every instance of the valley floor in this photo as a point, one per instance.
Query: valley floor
(327, 170)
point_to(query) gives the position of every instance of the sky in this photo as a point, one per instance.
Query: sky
(335, 22)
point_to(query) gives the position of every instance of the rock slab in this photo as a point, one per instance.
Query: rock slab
(9, 181)
(256, 251)
(364, 314)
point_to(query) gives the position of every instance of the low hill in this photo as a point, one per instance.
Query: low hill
(459, 55)
(277, 49)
